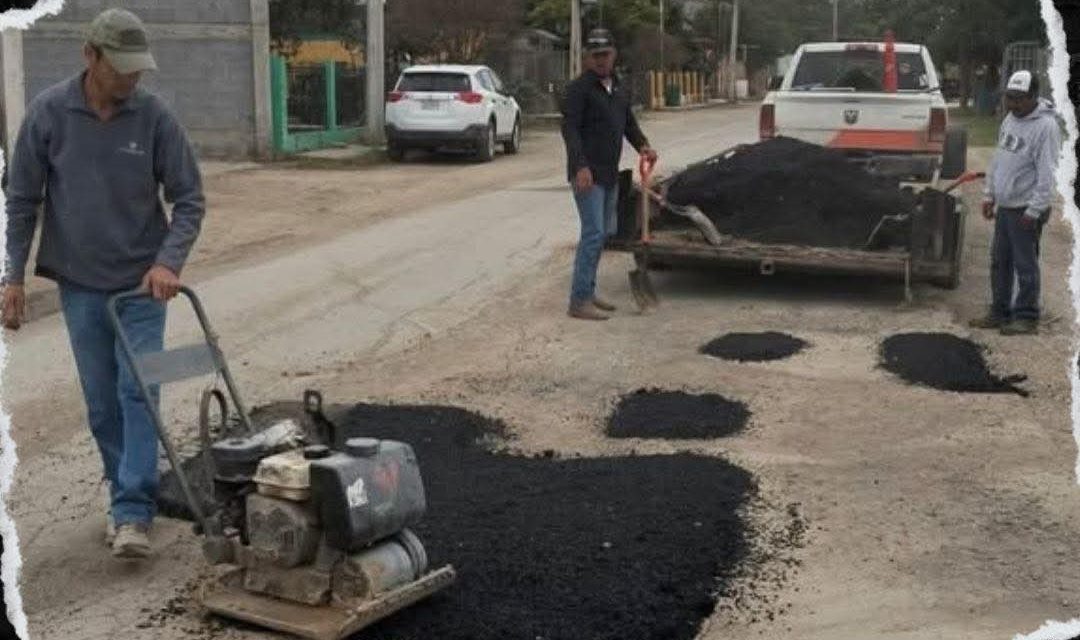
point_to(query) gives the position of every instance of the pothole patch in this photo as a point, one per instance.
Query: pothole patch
(946, 362)
(557, 547)
(655, 413)
(754, 347)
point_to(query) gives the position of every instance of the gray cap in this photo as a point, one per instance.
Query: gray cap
(122, 38)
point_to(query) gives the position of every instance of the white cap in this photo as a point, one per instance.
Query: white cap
(1019, 82)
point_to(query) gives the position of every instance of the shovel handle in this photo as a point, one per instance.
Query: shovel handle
(645, 170)
(968, 176)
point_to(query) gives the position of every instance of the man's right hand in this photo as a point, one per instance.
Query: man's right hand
(14, 309)
(988, 209)
(583, 181)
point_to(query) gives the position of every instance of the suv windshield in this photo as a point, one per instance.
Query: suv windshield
(858, 70)
(435, 82)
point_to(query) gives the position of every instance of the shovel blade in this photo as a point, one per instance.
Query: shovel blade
(641, 288)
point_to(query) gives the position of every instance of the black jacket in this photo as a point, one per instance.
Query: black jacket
(594, 123)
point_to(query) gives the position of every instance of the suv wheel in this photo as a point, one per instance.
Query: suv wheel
(486, 152)
(395, 151)
(513, 145)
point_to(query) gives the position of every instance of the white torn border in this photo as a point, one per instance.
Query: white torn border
(11, 559)
(1054, 630)
(1066, 174)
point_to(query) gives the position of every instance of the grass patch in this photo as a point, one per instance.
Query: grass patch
(982, 130)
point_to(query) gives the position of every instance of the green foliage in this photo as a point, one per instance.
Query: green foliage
(292, 20)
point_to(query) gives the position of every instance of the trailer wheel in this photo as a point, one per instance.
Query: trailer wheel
(956, 263)
(954, 159)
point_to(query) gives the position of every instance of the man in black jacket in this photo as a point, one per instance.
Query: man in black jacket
(596, 117)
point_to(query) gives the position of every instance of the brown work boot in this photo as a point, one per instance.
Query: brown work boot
(132, 541)
(602, 304)
(988, 322)
(1020, 327)
(586, 311)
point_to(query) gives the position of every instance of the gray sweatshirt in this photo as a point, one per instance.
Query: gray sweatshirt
(104, 224)
(1022, 173)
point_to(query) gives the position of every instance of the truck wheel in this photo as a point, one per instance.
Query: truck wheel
(395, 151)
(954, 159)
(956, 264)
(486, 144)
(513, 145)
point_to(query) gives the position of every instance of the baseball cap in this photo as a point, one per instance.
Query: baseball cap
(1020, 83)
(599, 40)
(122, 38)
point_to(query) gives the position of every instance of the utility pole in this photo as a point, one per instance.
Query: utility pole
(662, 68)
(375, 60)
(836, 20)
(575, 38)
(734, 50)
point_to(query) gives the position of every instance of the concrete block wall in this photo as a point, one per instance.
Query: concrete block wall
(206, 62)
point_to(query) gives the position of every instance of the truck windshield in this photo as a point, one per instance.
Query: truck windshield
(858, 70)
(435, 82)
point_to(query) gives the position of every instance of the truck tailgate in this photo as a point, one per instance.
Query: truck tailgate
(846, 120)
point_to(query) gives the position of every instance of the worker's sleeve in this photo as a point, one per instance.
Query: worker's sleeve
(177, 170)
(25, 192)
(634, 134)
(988, 179)
(573, 115)
(1045, 166)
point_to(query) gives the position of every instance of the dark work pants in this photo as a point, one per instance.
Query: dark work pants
(1014, 266)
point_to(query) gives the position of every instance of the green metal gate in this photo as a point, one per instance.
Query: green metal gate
(315, 106)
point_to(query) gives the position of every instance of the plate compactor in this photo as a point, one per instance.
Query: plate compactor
(311, 530)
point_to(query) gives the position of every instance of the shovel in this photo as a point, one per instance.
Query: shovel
(694, 214)
(640, 284)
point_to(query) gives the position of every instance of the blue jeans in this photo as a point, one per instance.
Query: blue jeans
(597, 210)
(1015, 260)
(119, 418)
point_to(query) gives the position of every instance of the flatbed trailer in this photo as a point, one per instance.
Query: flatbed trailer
(933, 255)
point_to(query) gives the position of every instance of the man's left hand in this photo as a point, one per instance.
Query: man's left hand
(161, 282)
(650, 155)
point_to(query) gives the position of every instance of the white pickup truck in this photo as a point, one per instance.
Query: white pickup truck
(834, 94)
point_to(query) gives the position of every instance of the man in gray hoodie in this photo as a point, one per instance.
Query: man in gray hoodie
(1019, 188)
(95, 149)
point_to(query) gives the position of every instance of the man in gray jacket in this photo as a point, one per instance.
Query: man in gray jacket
(1019, 188)
(94, 149)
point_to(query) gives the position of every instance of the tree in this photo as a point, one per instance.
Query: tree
(292, 20)
(969, 33)
(635, 25)
(452, 30)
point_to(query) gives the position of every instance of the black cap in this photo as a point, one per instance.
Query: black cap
(599, 40)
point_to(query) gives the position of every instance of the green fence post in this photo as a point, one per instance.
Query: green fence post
(330, 72)
(279, 102)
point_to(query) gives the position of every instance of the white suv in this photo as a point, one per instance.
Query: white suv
(438, 106)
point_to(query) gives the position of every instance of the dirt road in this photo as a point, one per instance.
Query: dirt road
(931, 514)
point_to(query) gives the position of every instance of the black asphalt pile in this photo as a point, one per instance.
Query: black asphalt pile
(786, 191)
(754, 347)
(944, 361)
(630, 548)
(653, 413)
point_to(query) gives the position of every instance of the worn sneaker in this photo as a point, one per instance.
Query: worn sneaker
(586, 311)
(132, 540)
(988, 322)
(602, 304)
(1020, 327)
